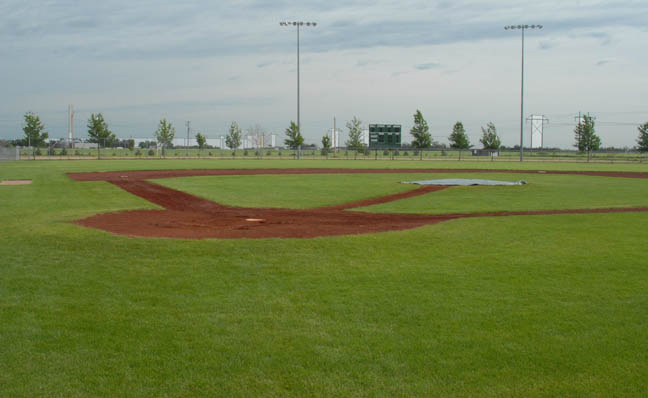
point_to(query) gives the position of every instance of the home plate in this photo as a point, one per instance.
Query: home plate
(255, 219)
(15, 182)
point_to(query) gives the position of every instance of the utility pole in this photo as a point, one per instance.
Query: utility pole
(334, 136)
(579, 122)
(71, 125)
(578, 131)
(187, 141)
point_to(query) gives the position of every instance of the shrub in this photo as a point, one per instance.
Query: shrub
(151, 152)
(268, 153)
(63, 152)
(77, 153)
(210, 154)
(257, 153)
(138, 153)
(245, 152)
(38, 152)
(407, 153)
(385, 153)
(396, 152)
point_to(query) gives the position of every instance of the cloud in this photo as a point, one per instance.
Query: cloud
(604, 38)
(429, 65)
(546, 45)
(366, 62)
(130, 30)
(100, 53)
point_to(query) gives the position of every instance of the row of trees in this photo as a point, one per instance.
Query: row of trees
(99, 133)
(586, 139)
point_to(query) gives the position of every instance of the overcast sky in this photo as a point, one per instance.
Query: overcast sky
(214, 62)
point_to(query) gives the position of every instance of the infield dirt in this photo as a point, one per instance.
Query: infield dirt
(190, 217)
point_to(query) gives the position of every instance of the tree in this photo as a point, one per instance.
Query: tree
(99, 133)
(643, 138)
(233, 138)
(490, 139)
(295, 139)
(146, 144)
(164, 135)
(33, 129)
(458, 138)
(201, 140)
(420, 132)
(326, 145)
(586, 139)
(355, 135)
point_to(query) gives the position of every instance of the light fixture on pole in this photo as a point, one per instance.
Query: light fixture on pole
(522, 28)
(298, 24)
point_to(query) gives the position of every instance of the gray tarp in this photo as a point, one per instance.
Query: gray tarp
(464, 181)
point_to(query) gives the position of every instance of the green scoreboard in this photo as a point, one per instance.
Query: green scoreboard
(384, 136)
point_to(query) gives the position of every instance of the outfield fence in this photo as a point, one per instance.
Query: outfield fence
(404, 154)
(9, 154)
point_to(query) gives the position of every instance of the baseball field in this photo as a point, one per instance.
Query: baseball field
(322, 278)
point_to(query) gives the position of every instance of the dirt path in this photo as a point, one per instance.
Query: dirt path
(188, 216)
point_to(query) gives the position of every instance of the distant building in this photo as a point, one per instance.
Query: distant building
(485, 152)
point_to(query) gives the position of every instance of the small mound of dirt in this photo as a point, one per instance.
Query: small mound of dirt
(15, 182)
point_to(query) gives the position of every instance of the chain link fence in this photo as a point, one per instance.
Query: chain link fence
(149, 150)
(7, 154)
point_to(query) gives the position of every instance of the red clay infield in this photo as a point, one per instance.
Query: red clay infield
(190, 217)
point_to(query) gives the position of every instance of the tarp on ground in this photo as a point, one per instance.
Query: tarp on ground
(463, 182)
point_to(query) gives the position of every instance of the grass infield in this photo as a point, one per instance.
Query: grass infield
(521, 306)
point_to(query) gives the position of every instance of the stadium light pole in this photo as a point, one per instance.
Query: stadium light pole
(298, 24)
(522, 28)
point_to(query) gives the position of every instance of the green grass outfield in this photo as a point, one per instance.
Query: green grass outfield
(508, 306)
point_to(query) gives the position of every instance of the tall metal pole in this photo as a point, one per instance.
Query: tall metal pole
(298, 122)
(298, 24)
(522, 102)
(522, 28)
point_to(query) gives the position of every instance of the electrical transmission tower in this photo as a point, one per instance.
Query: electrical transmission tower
(537, 130)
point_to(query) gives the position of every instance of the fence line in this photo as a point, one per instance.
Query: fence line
(410, 154)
